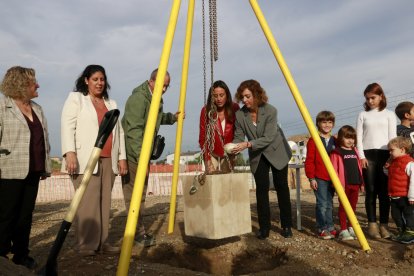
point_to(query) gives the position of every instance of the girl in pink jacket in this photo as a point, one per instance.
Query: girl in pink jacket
(347, 164)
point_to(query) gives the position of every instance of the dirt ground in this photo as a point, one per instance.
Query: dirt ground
(178, 254)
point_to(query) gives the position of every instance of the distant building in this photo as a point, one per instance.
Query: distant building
(184, 158)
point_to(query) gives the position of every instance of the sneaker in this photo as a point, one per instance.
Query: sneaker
(146, 240)
(334, 233)
(352, 232)
(325, 235)
(344, 235)
(407, 237)
(398, 237)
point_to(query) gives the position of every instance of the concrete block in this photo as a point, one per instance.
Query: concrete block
(220, 208)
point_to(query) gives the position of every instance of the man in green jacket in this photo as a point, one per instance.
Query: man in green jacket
(133, 122)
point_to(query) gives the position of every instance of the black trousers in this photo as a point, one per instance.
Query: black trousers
(17, 202)
(376, 185)
(280, 180)
(402, 213)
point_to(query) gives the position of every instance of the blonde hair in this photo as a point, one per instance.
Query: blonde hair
(16, 82)
(401, 143)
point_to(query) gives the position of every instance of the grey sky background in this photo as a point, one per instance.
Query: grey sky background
(333, 49)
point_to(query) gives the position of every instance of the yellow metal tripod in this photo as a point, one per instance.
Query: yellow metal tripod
(132, 219)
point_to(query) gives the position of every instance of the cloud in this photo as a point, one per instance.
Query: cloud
(332, 48)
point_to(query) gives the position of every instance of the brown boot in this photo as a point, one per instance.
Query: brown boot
(385, 234)
(373, 230)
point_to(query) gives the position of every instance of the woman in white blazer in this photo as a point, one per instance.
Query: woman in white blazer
(81, 115)
(268, 149)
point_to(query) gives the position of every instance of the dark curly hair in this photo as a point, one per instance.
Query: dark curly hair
(82, 87)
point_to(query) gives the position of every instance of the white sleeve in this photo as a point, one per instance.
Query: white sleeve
(409, 169)
(392, 126)
(360, 131)
(68, 123)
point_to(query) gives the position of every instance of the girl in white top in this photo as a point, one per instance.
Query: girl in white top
(375, 127)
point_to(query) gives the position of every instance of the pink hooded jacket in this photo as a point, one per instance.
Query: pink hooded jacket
(338, 164)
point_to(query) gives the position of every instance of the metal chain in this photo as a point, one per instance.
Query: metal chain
(213, 111)
(214, 57)
(194, 188)
(212, 116)
(211, 15)
(203, 150)
(215, 32)
(208, 144)
(212, 121)
(204, 52)
(204, 71)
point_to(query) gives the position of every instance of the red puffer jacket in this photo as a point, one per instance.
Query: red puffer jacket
(398, 181)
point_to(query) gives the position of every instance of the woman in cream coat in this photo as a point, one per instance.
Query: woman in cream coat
(81, 115)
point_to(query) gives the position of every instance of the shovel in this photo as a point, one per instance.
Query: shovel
(105, 129)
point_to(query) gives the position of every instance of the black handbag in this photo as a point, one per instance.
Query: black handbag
(158, 147)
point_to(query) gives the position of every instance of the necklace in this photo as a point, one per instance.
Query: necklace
(96, 100)
(253, 115)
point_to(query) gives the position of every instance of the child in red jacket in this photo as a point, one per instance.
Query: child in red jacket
(319, 178)
(347, 164)
(401, 188)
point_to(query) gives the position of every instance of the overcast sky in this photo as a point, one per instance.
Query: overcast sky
(333, 49)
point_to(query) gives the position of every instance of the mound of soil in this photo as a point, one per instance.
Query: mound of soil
(178, 254)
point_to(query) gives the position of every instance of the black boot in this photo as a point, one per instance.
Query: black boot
(287, 232)
(262, 234)
(26, 261)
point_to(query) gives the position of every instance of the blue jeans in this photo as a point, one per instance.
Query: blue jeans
(324, 205)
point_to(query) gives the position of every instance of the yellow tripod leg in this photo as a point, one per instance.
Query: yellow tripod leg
(181, 108)
(144, 158)
(311, 127)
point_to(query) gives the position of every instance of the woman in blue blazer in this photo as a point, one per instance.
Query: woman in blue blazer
(268, 149)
